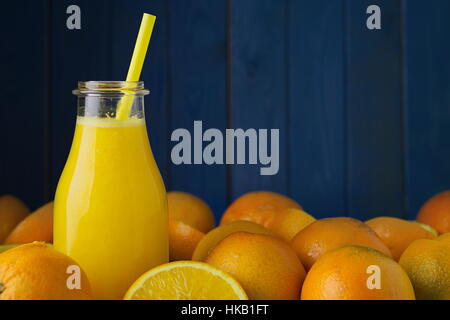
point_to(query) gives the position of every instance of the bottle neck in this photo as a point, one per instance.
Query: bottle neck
(111, 99)
(107, 107)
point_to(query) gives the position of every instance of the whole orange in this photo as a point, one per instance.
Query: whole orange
(427, 263)
(259, 207)
(397, 233)
(212, 238)
(356, 273)
(325, 235)
(37, 272)
(183, 240)
(436, 212)
(445, 237)
(190, 210)
(288, 222)
(38, 226)
(12, 211)
(265, 266)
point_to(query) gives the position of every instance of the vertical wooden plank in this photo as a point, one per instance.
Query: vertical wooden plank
(22, 105)
(374, 102)
(77, 55)
(259, 85)
(155, 70)
(198, 84)
(316, 106)
(428, 100)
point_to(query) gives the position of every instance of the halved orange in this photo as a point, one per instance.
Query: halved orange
(186, 280)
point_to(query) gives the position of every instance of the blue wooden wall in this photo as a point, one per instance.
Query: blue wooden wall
(364, 116)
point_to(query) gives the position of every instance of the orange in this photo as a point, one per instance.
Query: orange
(216, 235)
(356, 273)
(37, 272)
(185, 280)
(444, 238)
(288, 222)
(436, 212)
(324, 235)
(260, 207)
(182, 240)
(265, 266)
(427, 263)
(38, 226)
(7, 247)
(190, 210)
(427, 227)
(397, 233)
(12, 211)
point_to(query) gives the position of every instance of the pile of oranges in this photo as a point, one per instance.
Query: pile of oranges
(265, 244)
(276, 250)
(32, 271)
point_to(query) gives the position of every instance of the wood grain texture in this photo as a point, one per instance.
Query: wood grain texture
(374, 111)
(259, 82)
(428, 100)
(317, 171)
(198, 89)
(364, 115)
(23, 107)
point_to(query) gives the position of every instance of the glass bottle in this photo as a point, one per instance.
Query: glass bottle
(110, 203)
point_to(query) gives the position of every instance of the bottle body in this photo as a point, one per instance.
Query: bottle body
(110, 204)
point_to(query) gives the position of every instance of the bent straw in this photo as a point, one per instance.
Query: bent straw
(137, 61)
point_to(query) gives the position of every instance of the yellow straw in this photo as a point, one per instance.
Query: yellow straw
(137, 61)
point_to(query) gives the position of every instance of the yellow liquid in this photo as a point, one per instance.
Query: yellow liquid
(111, 206)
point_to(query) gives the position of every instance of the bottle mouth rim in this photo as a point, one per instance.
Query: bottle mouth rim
(110, 88)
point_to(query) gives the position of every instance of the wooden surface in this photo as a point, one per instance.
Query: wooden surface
(374, 111)
(198, 89)
(259, 84)
(24, 104)
(427, 113)
(317, 144)
(364, 116)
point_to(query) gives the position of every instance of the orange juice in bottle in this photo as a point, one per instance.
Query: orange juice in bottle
(110, 204)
